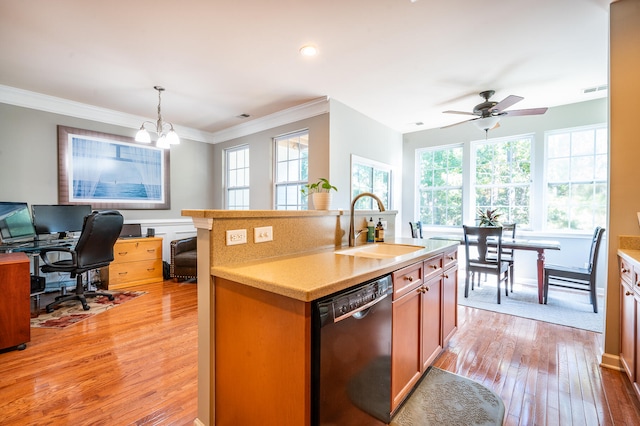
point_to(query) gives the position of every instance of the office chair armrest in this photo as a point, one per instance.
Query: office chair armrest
(45, 251)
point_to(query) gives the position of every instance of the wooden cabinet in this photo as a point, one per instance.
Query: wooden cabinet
(424, 319)
(136, 261)
(15, 304)
(630, 320)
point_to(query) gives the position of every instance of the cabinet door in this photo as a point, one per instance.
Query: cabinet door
(406, 364)
(449, 303)
(430, 321)
(628, 315)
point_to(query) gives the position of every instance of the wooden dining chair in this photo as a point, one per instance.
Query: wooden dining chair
(478, 257)
(576, 278)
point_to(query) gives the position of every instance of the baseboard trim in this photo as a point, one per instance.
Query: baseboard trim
(611, 361)
(197, 422)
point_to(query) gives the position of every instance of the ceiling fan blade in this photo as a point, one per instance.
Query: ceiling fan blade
(455, 124)
(506, 103)
(530, 111)
(458, 112)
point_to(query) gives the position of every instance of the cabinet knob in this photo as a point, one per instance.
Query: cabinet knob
(625, 270)
(434, 266)
(628, 293)
(446, 276)
(410, 278)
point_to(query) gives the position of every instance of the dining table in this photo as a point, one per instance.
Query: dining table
(518, 244)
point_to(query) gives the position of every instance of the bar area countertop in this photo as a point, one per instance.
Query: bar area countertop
(310, 276)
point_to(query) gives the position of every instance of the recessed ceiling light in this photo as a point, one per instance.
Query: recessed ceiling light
(308, 50)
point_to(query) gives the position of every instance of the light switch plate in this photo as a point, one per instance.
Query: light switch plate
(236, 236)
(262, 234)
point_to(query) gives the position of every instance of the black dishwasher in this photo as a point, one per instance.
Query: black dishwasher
(351, 356)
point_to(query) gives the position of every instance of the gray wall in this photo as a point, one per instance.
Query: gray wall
(29, 162)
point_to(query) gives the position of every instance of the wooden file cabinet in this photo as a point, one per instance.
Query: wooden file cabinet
(135, 261)
(15, 304)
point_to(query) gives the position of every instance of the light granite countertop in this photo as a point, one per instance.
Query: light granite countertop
(629, 247)
(313, 275)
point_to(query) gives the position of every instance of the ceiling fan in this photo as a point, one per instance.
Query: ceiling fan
(488, 113)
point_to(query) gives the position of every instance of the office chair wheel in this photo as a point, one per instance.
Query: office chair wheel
(86, 307)
(49, 309)
(111, 297)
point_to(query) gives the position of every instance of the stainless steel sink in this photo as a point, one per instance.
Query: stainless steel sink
(379, 250)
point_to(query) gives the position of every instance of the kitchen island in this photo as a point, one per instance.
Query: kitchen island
(254, 307)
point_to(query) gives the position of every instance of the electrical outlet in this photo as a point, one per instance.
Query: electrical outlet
(236, 236)
(262, 234)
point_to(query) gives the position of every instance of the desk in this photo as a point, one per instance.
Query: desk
(520, 244)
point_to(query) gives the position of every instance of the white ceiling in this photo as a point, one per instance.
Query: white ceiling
(396, 61)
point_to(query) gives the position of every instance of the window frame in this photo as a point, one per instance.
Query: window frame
(366, 203)
(246, 187)
(302, 200)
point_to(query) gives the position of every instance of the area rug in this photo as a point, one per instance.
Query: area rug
(444, 398)
(71, 312)
(568, 308)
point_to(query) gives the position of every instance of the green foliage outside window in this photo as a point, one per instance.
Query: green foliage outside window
(440, 186)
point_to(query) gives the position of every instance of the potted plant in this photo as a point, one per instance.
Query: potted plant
(488, 217)
(320, 193)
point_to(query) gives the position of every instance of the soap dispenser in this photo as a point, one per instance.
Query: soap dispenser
(371, 231)
(379, 232)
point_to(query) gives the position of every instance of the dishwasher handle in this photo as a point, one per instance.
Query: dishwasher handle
(359, 313)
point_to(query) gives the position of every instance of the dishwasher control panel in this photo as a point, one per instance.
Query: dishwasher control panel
(345, 304)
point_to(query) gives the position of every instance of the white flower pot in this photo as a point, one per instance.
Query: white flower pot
(321, 200)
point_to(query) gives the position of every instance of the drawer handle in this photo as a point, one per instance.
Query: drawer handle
(410, 278)
(628, 293)
(434, 266)
(151, 250)
(450, 257)
(122, 273)
(122, 253)
(151, 269)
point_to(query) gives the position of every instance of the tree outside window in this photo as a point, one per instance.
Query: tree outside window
(503, 178)
(439, 195)
(576, 174)
(370, 176)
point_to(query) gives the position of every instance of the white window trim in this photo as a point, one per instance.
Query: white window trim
(226, 174)
(356, 159)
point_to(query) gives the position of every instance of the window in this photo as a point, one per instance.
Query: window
(292, 170)
(576, 175)
(439, 183)
(370, 176)
(503, 178)
(237, 162)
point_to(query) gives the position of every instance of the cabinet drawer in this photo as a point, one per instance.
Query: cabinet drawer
(450, 258)
(433, 266)
(144, 271)
(626, 271)
(406, 279)
(132, 251)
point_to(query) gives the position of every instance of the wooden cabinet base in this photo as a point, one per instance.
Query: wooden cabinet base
(15, 303)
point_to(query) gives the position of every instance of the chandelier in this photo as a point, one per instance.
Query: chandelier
(166, 135)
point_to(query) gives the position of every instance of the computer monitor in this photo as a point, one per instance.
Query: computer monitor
(50, 219)
(15, 223)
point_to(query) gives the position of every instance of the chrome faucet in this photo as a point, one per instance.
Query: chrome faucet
(352, 230)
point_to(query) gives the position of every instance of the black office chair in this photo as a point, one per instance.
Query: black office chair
(416, 229)
(479, 261)
(94, 250)
(574, 277)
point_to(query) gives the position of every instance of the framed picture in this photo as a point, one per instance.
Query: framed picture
(111, 171)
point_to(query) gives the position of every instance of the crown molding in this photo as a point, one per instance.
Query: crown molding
(38, 101)
(290, 115)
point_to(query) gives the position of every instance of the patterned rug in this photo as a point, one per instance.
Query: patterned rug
(444, 398)
(71, 312)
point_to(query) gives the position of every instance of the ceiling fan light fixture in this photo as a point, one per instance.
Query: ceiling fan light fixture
(486, 123)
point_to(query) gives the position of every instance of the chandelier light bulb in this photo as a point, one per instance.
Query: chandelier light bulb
(162, 142)
(143, 136)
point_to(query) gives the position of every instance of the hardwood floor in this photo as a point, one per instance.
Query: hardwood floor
(137, 365)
